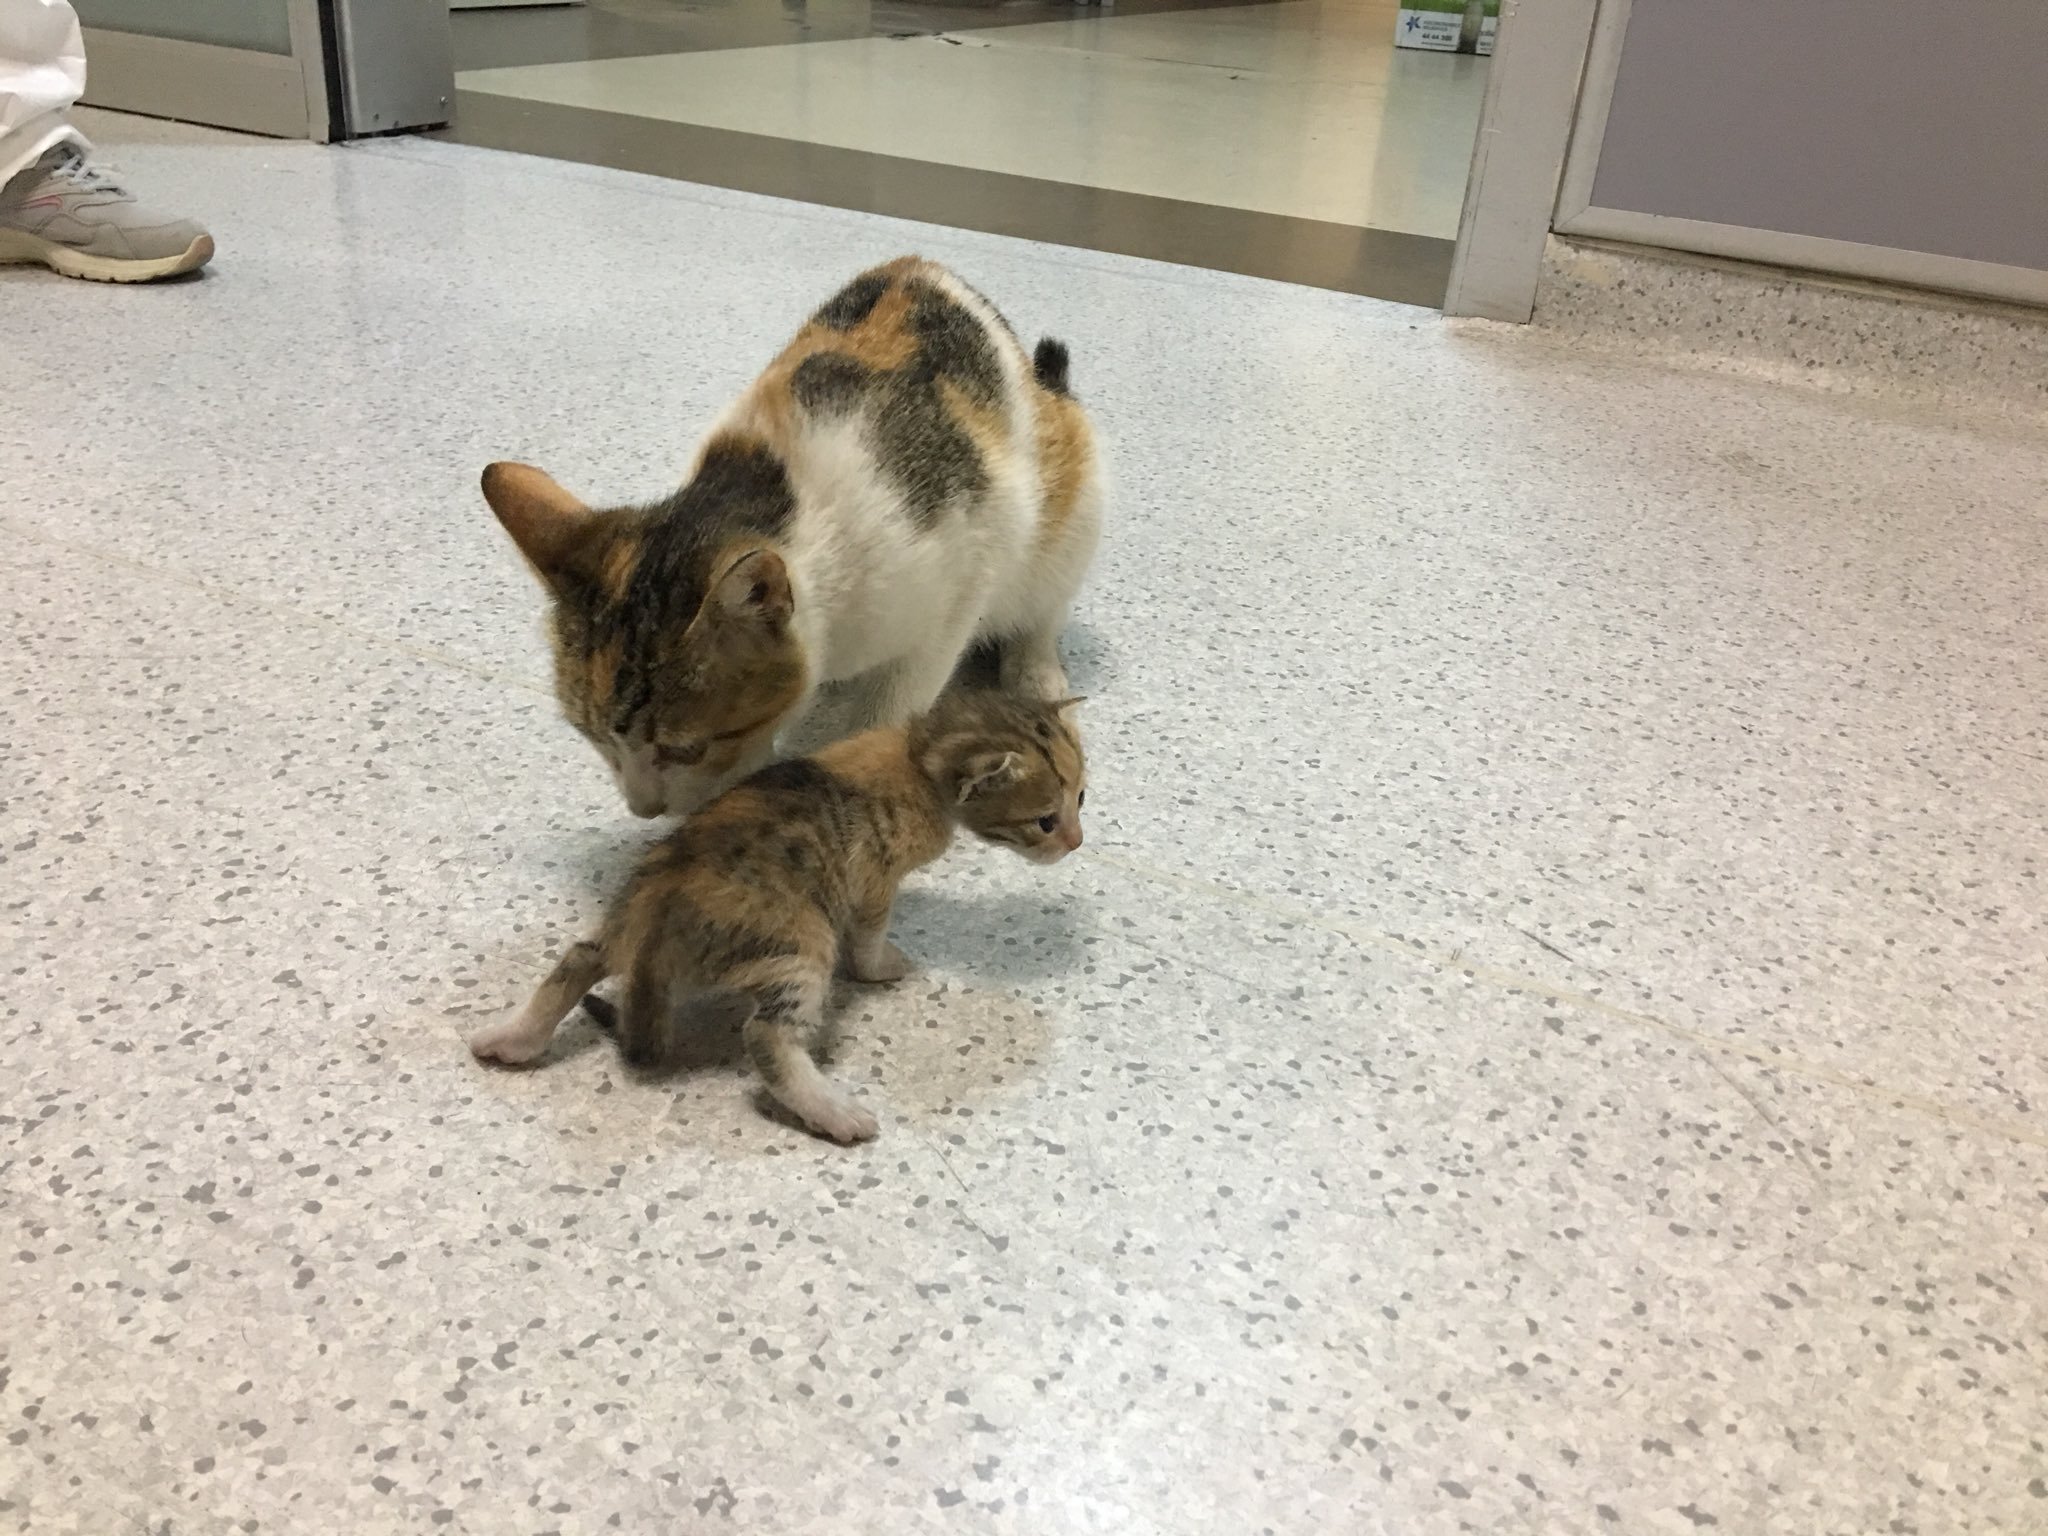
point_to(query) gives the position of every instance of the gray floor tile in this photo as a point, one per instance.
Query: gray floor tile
(1543, 1036)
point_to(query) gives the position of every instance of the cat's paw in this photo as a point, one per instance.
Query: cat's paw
(887, 963)
(511, 1042)
(842, 1120)
(1034, 677)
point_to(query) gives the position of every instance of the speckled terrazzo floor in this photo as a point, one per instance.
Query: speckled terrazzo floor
(1545, 1036)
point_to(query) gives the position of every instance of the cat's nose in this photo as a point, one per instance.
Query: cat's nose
(1072, 837)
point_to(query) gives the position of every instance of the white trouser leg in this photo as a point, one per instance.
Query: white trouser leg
(42, 75)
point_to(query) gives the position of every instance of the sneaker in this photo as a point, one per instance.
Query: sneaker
(75, 218)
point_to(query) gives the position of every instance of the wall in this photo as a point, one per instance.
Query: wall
(1920, 125)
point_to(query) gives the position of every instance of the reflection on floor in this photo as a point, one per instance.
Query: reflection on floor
(1300, 112)
(1303, 109)
(616, 29)
(1544, 1035)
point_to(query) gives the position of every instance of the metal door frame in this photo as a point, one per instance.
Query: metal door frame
(1525, 124)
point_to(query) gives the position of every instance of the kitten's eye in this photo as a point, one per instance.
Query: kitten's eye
(1048, 824)
(1081, 800)
(679, 757)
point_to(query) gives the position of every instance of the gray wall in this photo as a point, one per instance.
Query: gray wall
(1916, 124)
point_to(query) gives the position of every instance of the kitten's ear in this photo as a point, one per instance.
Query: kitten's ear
(550, 526)
(988, 771)
(755, 586)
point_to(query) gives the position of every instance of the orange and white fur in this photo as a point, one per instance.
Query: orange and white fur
(902, 483)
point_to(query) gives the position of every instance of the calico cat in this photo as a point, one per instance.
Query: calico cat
(738, 918)
(901, 483)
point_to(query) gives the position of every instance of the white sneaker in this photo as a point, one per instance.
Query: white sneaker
(75, 218)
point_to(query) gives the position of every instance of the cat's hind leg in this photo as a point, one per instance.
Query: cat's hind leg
(910, 686)
(1036, 611)
(527, 1033)
(788, 1023)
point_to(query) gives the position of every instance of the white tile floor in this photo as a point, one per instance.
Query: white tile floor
(1545, 1035)
(1303, 108)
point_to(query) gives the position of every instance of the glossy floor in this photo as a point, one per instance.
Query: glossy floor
(1303, 109)
(1256, 137)
(1543, 1037)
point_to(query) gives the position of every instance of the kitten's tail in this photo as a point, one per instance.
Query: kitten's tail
(1049, 366)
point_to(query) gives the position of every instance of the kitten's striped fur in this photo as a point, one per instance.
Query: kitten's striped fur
(739, 918)
(901, 482)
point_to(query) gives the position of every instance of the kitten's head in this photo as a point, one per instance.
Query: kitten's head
(1012, 769)
(674, 649)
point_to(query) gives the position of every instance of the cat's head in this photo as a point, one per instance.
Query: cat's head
(675, 654)
(1011, 768)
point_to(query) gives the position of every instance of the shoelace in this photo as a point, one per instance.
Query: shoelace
(86, 175)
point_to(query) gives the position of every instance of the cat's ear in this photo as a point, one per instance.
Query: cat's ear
(986, 772)
(550, 526)
(755, 587)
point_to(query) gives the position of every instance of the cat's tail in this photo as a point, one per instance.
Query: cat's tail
(1049, 366)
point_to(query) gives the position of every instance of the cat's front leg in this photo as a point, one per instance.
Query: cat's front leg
(828, 715)
(870, 956)
(1030, 665)
(912, 685)
(527, 1034)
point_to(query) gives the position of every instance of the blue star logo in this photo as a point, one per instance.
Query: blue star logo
(1414, 21)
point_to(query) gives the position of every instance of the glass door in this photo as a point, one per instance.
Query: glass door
(318, 69)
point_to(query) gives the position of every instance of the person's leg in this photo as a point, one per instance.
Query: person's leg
(56, 207)
(42, 75)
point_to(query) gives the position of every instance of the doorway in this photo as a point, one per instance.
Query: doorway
(1291, 139)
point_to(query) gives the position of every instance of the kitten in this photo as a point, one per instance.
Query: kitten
(901, 483)
(739, 917)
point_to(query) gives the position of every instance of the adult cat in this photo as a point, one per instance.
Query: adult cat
(902, 482)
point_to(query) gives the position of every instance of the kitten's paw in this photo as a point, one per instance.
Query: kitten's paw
(842, 1120)
(887, 963)
(510, 1042)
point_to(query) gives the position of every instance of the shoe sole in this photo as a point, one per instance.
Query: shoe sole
(16, 247)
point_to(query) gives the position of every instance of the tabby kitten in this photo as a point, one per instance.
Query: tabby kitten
(902, 482)
(740, 916)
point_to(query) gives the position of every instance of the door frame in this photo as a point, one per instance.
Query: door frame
(1525, 125)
